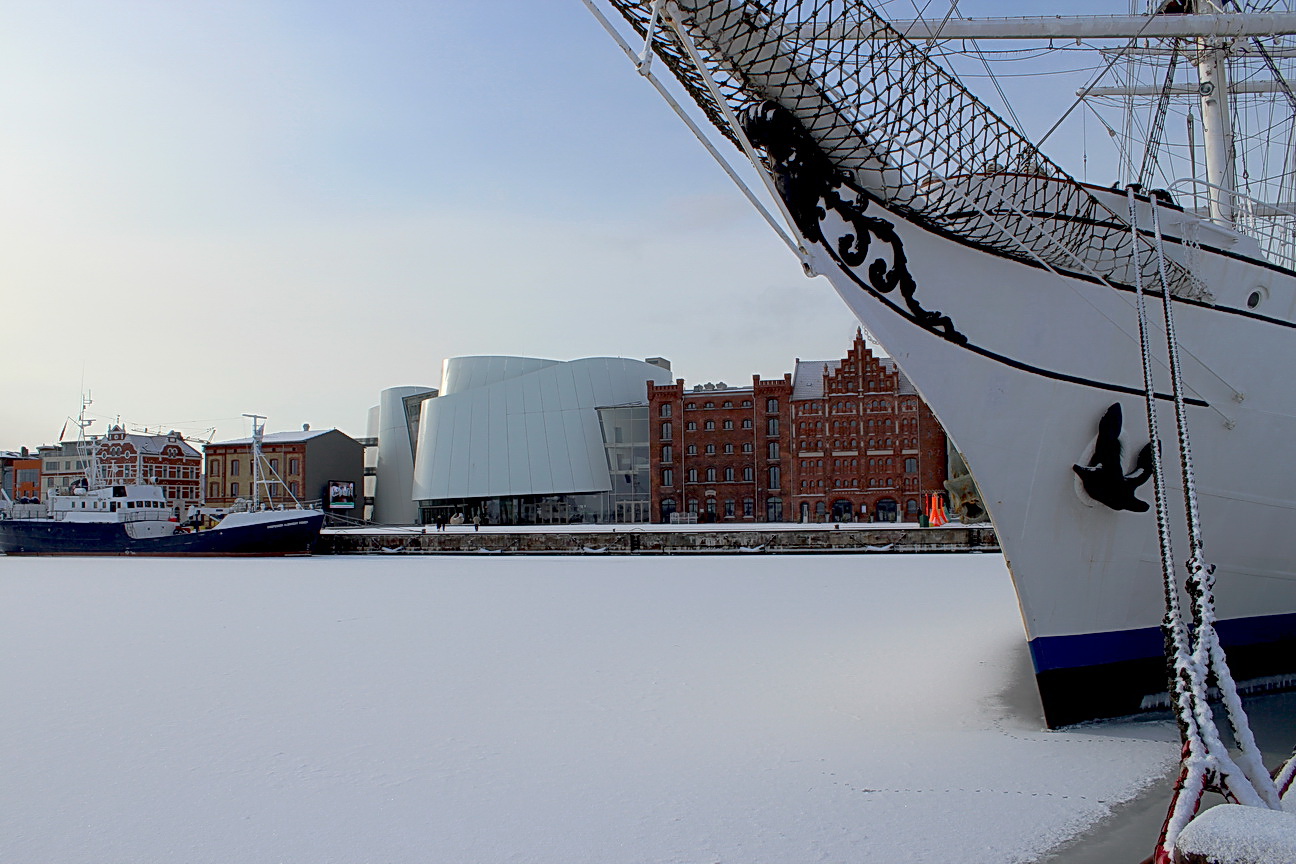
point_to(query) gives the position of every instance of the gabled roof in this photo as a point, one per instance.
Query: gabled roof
(807, 378)
(151, 445)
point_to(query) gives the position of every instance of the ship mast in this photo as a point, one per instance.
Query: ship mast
(1217, 127)
(87, 448)
(258, 434)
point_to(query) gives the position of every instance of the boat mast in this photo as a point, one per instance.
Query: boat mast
(88, 449)
(258, 433)
(1217, 126)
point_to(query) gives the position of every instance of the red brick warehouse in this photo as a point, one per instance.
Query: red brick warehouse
(867, 446)
(846, 440)
(719, 453)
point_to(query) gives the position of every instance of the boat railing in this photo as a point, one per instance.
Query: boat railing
(1272, 226)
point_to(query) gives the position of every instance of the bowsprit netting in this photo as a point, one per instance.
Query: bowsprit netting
(896, 124)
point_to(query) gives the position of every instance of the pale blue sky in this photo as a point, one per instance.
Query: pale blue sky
(211, 208)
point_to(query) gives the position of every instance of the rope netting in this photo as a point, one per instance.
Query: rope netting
(895, 123)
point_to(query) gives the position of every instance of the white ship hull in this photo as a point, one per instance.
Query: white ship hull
(1005, 290)
(1045, 356)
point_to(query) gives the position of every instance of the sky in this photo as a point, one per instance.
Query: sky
(283, 207)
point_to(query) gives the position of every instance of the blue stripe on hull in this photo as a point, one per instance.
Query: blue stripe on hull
(1096, 649)
(1097, 675)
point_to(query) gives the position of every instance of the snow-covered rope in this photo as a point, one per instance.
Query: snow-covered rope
(1193, 659)
(1283, 779)
(1196, 760)
(1204, 754)
(1208, 654)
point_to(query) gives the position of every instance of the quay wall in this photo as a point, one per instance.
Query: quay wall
(949, 538)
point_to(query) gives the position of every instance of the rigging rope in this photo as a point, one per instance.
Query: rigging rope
(1192, 656)
(1158, 123)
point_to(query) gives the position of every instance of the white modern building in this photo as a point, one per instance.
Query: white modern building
(394, 422)
(521, 440)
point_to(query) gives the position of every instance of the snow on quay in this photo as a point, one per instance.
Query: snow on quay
(393, 709)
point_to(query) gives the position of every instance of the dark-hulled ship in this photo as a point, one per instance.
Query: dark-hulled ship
(138, 520)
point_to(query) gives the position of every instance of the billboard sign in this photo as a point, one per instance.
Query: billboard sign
(342, 495)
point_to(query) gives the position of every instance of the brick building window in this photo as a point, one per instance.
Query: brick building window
(691, 450)
(747, 447)
(692, 475)
(729, 509)
(774, 477)
(729, 476)
(710, 426)
(292, 466)
(234, 467)
(728, 448)
(233, 490)
(911, 465)
(710, 475)
(771, 406)
(213, 468)
(710, 449)
(690, 426)
(747, 423)
(749, 507)
(771, 426)
(728, 424)
(664, 410)
(668, 477)
(773, 450)
(666, 431)
(666, 453)
(748, 474)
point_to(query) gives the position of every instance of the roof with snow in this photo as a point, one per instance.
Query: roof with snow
(278, 437)
(148, 445)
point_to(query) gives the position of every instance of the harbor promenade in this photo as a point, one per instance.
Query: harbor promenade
(650, 539)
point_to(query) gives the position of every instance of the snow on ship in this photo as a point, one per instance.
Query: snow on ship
(1013, 296)
(97, 518)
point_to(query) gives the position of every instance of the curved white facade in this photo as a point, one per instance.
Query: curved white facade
(519, 426)
(394, 469)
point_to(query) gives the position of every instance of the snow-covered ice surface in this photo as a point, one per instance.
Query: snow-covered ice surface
(432, 709)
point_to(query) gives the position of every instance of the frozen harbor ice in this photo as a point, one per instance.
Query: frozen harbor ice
(771, 709)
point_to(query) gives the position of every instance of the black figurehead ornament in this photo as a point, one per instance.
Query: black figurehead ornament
(810, 185)
(1104, 478)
